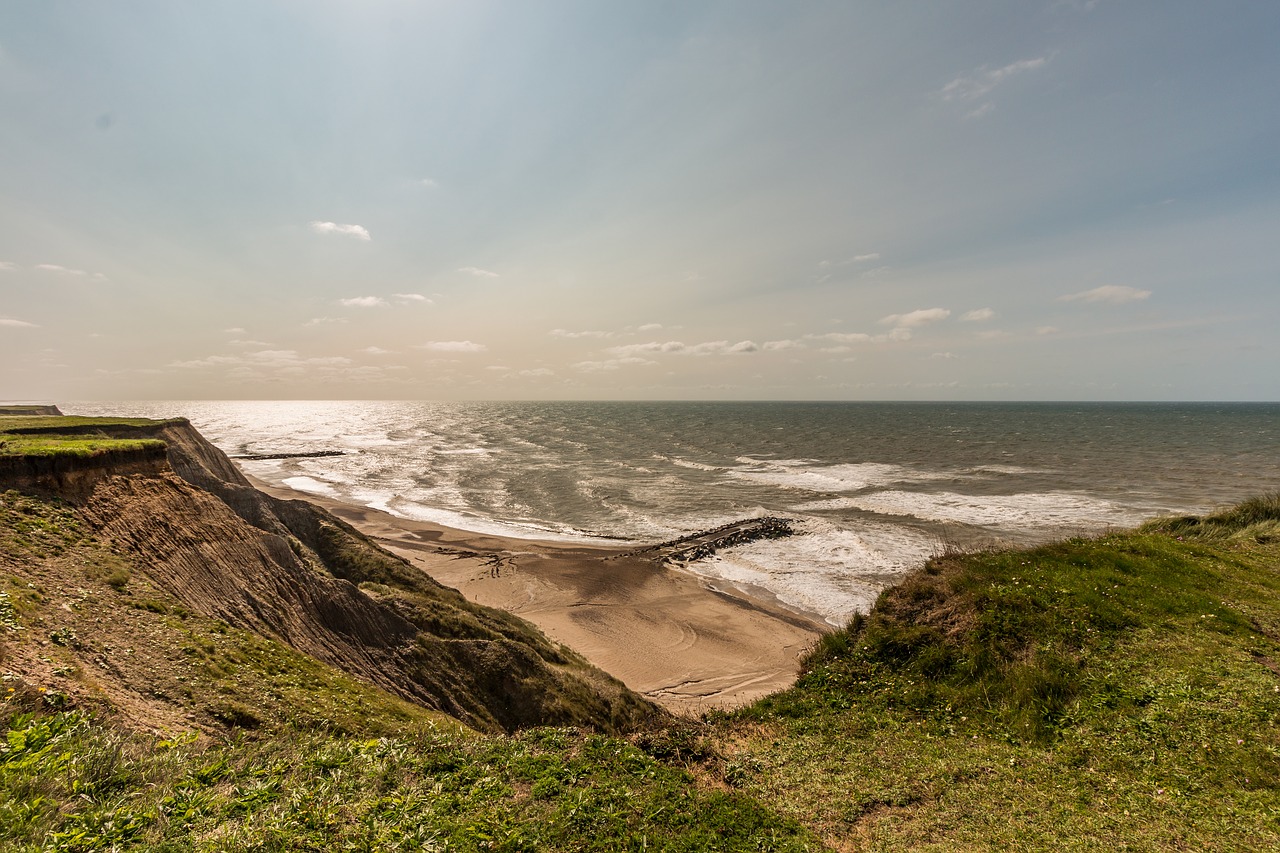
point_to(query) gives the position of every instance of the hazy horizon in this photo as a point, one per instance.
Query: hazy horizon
(1062, 201)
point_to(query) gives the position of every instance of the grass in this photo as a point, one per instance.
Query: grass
(1118, 693)
(72, 437)
(74, 423)
(78, 447)
(1115, 692)
(71, 784)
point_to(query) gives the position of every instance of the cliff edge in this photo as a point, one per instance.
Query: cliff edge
(125, 545)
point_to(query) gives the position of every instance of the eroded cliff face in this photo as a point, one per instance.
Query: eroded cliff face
(193, 529)
(72, 476)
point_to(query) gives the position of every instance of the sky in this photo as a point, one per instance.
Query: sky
(595, 199)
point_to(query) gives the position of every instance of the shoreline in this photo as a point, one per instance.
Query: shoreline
(686, 642)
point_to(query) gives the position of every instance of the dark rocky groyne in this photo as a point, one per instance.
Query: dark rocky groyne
(315, 454)
(705, 543)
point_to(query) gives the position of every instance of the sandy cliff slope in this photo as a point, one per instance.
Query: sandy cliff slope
(139, 553)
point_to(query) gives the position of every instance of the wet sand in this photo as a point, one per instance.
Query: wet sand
(687, 643)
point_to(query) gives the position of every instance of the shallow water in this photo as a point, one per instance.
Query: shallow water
(875, 488)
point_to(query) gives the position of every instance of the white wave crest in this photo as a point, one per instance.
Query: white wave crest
(805, 475)
(825, 569)
(1027, 510)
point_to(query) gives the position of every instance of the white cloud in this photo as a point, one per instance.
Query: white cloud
(429, 183)
(61, 270)
(565, 333)
(982, 81)
(211, 361)
(650, 347)
(357, 231)
(1046, 330)
(537, 371)
(611, 364)
(412, 298)
(915, 319)
(650, 327)
(16, 324)
(479, 273)
(58, 268)
(780, 345)
(977, 315)
(363, 302)
(243, 343)
(376, 351)
(864, 258)
(946, 355)
(235, 330)
(981, 111)
(452, 346)
(1116, 294)
(720, 347)
(324, 321)
(5, 266)
(847, 337)
(680, 348)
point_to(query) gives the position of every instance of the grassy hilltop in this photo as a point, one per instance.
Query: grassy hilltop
(1113, 693)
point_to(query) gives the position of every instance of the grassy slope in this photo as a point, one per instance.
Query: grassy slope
(1111, 693)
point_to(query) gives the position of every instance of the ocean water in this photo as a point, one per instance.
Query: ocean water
(874, 488)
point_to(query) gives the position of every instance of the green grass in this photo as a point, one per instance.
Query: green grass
(73, 437)
(75, 446)
(1119, 692)
(67, 783)
(71, 423)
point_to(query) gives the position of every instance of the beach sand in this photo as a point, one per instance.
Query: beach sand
(687, 643)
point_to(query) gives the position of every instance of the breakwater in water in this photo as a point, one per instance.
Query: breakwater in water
(697, 546)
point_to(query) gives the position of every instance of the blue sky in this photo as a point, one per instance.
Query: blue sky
(649, 200)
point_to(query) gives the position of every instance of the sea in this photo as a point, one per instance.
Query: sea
(873, 489)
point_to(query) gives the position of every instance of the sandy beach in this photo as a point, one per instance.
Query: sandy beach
(686, 643)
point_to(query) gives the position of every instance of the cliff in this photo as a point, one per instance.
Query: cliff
(29, 410)
(180, 530)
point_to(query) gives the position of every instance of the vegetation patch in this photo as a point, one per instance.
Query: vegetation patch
(75, 446)
(70, 783)
(1109, 691)
(74, 437)
(33, 526)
